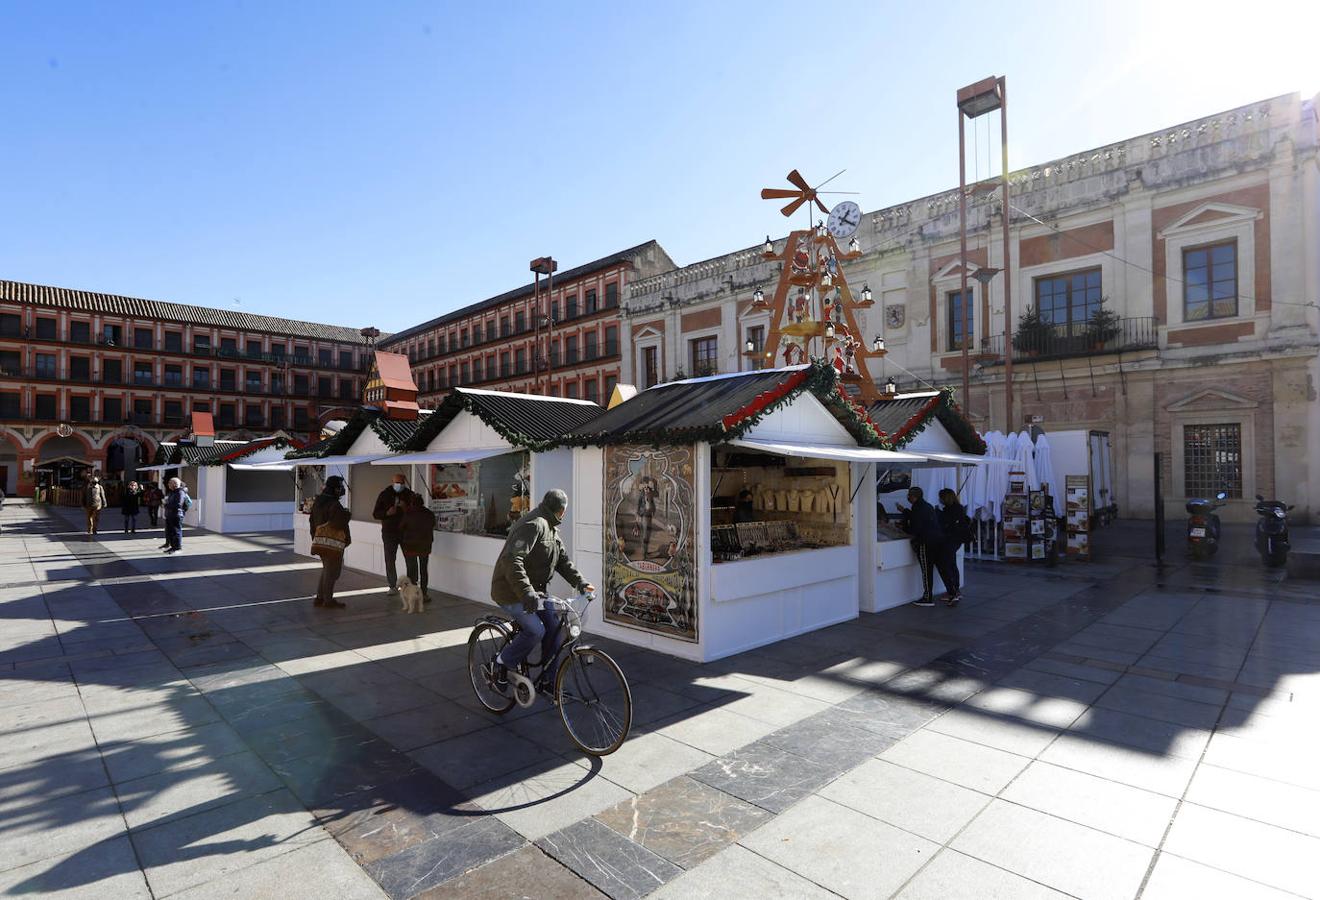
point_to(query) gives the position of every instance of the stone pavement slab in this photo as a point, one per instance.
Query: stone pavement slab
(926, 806)
(525, 874)
(845, 851)
(955, 876)
(737, 873)
(684, 821)
(619, 867)
(1065, 856)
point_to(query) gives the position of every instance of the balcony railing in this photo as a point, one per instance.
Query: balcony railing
(1078, 339)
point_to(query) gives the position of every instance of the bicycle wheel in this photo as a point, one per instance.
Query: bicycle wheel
(594, 701)
(486, 640)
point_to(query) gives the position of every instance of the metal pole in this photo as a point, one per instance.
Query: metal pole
(962, 260)
(1008, 275)
(1159, 511)
(536, 330)
(550, 329)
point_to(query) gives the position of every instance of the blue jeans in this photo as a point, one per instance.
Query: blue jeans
(174, 531)
(540, 627)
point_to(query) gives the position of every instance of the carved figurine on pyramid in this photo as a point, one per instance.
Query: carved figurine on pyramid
(850, 346)
(801, 304)
(791, 350)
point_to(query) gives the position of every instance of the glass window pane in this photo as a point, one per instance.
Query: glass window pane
(1224, 254)
(1197, 311)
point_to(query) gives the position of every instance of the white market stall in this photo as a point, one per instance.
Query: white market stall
(235, 486)
(481, 459)
(735, 511)
(950, 453)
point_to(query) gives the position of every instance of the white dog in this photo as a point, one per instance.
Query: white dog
(411, 595)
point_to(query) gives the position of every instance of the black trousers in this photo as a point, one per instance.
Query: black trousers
(946, 562)
(416, 566)
(926, 562)
(154, 512)
(391, 543)
(331, 566)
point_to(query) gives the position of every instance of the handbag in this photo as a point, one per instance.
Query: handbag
(329, 540)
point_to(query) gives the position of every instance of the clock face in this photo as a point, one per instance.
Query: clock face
(844, 219)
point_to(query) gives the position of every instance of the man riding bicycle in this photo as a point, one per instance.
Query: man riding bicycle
(532, 554)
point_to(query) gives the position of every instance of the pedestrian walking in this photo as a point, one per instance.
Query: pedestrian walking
(957, 530)
(389, 508)
(329, 521)
(93, 503)
(416, 537)
(177, 504)
(923, 527)
(153, 497)
(129, 504)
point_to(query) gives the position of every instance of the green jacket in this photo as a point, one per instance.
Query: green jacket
(532, 554)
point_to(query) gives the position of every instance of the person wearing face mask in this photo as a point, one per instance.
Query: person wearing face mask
(330, 518)
(390, 506)
(532, 554)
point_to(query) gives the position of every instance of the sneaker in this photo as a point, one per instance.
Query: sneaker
(392, 592)
(334, 604)
(924, 601)
(499, 677)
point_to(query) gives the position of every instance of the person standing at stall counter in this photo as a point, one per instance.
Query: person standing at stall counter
(923, 527)
(957, 529)
(417, 535)
(390, 506)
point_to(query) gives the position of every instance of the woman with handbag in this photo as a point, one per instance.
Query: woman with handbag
(330, 537)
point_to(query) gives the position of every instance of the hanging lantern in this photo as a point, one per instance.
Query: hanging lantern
(829, 331)
(750, 346)
(826, 279)
(878, 345)
(855, 246)
(820, 231)
(758, 299)
(866, 293)
(891, 386)
(769, 247)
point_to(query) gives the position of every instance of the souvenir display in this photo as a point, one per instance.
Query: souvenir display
(481, 498)
(796, 504)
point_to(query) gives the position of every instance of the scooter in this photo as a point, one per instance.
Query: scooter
(1203, 526)
(1272, 531)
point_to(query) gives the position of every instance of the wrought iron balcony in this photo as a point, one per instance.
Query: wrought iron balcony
(1078, 339)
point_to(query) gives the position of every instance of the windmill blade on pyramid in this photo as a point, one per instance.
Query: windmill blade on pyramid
(805, 193)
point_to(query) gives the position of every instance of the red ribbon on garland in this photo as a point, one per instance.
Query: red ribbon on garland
(763, 400)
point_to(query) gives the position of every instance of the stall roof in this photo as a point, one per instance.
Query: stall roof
(524, 420)
(221, 452)
(718, 408)
(395, 433)
(903, 417)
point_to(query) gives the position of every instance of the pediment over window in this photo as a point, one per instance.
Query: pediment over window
(1211, 400)
(647, 332)
(1211, 215)
(952, 270)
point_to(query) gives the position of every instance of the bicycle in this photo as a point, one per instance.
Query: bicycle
(585, 684)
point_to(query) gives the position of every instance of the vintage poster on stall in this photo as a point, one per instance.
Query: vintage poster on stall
(454, 496)
(650, 529)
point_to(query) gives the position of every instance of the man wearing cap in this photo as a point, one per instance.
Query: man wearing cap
(532, 554)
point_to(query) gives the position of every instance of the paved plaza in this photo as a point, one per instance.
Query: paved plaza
(192, 726)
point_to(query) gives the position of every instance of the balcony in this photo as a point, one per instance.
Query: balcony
(1076, 340)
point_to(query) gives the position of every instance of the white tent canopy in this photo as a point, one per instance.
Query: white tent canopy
(321, 461)
(442, 457)
(826, 451)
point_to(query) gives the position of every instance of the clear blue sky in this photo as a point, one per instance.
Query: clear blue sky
(382, 163)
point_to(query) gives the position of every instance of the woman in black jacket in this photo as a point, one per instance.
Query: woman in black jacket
(129, 505)
(416, 535)
(955, 525)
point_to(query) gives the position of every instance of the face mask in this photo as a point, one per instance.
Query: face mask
(397, 487)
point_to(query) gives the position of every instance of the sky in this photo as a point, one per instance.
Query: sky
(384, 163)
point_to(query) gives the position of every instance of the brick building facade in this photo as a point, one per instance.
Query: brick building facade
(1203, 239)
(570, 347)
(121, 375)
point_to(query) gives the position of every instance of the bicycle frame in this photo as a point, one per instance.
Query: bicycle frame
(567, 644)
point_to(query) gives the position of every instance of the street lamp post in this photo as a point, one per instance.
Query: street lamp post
(543, 265)
(974, 101)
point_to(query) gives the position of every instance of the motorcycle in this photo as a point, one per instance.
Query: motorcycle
(1203, 526)
(1272, 531)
